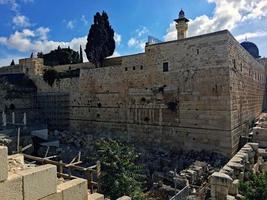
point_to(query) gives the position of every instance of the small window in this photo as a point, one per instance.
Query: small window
(165, 67)
(133, 68)
(126, 69)
(141, 67)
(197, 51)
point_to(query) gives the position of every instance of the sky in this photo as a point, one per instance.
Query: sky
(28, 26)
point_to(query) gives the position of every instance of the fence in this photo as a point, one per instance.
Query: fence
(182, 194)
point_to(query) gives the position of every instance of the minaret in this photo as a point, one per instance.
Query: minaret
(181, 25)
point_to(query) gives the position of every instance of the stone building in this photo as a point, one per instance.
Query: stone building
(198, 93)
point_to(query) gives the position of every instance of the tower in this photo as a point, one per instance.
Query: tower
(181, 25)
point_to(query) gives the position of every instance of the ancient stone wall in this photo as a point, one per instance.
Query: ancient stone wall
(187, 106)
(247, 86)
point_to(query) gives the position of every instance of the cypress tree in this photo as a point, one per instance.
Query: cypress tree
(100, 40)
(81, 54)
(12, 63)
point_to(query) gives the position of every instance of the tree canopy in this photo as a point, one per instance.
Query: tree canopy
(60, 56)
(255, 188)
(100, 40)
(121, 174)
(50, 76)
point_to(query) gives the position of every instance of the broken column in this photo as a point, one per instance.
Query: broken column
(24, 119)
(220, 184)
(13, 118)
(4, 118)
(3, 164)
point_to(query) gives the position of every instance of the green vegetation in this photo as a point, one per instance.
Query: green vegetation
(121, 174)
(100, 40)
(60, 56)
(255, 188)
(50, 76)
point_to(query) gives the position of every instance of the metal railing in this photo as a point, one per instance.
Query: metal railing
(182, 194)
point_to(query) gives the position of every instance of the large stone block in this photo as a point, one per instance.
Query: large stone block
(96, 196)
(3, 163)
(55, 196)
(74, 189)
(124, 198)
(39, 182)
(11, 189)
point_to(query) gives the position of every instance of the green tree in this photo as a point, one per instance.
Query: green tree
(81, 54)
(100, 40)
(255, 188)
(50, 76)
(12, 63)
(121, 175)
(60, 56)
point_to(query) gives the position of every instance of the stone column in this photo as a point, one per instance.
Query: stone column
(4, 118)
(220, 184)
(13, 118)
(24, 119)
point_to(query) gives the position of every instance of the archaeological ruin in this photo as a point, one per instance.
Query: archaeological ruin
(204, 93)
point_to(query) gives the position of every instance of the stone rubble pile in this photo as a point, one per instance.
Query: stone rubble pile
(225, 183)
(21, 181)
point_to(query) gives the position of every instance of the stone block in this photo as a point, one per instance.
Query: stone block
(124, 198)
(3, 163)
(233, 190)
(11, 189)
(39, 182)
(74, 189)
(96, 196)
(55, 196)
(17, 157)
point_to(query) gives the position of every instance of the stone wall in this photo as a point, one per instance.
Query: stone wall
(201, 92)
(192, 105)
(247, 87)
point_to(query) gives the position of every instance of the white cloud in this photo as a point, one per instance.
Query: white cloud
(42, 32)
(7, 60)
(141, 31)
(21, 21)
(139, 40)
(117, 38)
(137, 43)
(70, 24)
(84, 20)
(251, 35)
(227, 15)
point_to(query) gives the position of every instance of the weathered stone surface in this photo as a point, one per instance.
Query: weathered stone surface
(11, 189)
(3, 163)
(55, 196)
(95, 196)
(74, 189)
(124, 198)
(39, 182)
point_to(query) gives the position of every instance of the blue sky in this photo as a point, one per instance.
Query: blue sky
(41, 25)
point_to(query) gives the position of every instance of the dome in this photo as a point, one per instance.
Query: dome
(251, 48)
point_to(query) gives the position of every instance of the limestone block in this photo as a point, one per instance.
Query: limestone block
(55, 196)
(17, 157)
(96, 196)
(11, 189)
(3, 163)
(39, 182)
(229, 197)
(255, 146)
(74, 189)
(233, 190)
(124, 198)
